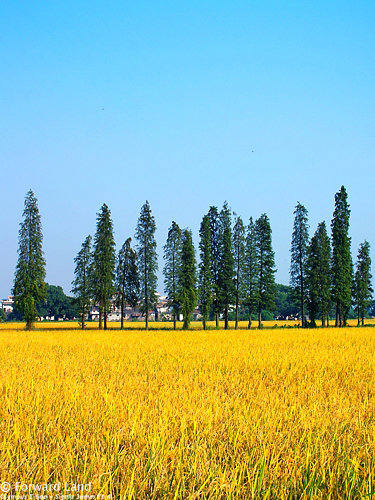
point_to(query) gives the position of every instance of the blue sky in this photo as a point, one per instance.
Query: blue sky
(185, 104)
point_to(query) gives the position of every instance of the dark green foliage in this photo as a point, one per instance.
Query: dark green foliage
(29, 286)
(147, 260)
(82, 283)
(57, 304)
(226, 264)
(362, 289)
(213, 215)
(172, 258)
(342, 268)
(205, 277)
(298, 251)
(266, 266)
(187, 278)
(53, 305)
(284, 303)
(251, 272)
(239, 262)
(318, 276)
(104, 260)
(2, 315)
(127, 279)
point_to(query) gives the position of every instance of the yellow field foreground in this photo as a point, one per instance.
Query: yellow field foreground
(162, 414)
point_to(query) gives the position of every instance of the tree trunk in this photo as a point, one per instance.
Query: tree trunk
(100, 315)
(236, 327)
(105, 320)
(226, 318)
(122, 312)
(303, 314)
(29, 325)
(204, 323)
(146, 327)
(249, 325)
(260, 319)
(312, 321)
(217, 319)
(174, 321)
(337, 322)
(83, 320)
(302, 299)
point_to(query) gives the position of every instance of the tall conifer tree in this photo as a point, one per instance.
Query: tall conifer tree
(239, 261)
(266, 266)
(298, 250)
(187, 278)
(29, 286)
(362, 288)
(104, 261)
(213, 215)
(318, 276)
(342, 268)
(226, 264)
(205, 278)
(147, 260)
(127, 280)
(172, 258)
(82, 283)
(251, 271)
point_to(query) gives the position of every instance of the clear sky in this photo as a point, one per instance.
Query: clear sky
(185, 104)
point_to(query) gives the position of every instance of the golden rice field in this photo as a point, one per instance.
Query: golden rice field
(160, 325)
(277, 414)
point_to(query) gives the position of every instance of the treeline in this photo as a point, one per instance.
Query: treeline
(233, 279)
(322, 274)
(236, 267)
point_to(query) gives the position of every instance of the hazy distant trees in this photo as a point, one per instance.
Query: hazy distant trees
(29, 285)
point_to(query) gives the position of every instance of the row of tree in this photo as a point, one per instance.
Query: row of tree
(236, 266)
(322, 273)
(235, 271)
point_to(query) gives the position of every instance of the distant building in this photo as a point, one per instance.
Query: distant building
(160, 312)
(8, 304)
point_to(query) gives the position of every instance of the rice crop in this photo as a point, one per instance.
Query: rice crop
(278, 414)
